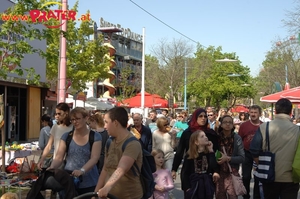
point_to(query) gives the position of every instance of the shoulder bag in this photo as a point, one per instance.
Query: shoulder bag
(237, 181)
(265, 171)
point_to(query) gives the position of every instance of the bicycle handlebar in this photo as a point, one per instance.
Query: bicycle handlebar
(94, 194)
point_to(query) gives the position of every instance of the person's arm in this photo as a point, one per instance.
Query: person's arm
(150, 140)
(181, 147)
(240, 157)
(169, 181)
(101, 180)
(42, 142)
(153, 140)
(59, 156)
(46, 151)
(256, 145)
(124, 165)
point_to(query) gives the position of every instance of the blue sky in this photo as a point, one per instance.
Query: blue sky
(247, 27)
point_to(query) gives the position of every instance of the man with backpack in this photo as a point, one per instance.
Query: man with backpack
(122, 173)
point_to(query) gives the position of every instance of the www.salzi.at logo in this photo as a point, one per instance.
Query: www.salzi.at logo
(41, 16)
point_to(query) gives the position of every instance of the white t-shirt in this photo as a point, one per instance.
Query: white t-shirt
(57, 131)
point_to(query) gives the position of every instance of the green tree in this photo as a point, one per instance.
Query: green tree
(211, 83)
(127, 82)
(153, 75)
(283, 54)
(16, 41)
(86, 60)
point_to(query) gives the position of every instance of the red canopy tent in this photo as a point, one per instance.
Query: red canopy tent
(292, 94)
(151, 101)
(239, 108)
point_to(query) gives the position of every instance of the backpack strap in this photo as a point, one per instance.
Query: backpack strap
(135, 166)
(91, 139)
(68, 140)
(70, 136)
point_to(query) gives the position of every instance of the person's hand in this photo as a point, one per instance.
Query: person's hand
(77, 173)
(210, 146)
(159, 188)
(102, 193)
(40, 164)
(223, 158)
(216, 177)
(174, 175)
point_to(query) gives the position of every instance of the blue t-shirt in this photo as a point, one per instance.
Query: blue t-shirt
(78, 156)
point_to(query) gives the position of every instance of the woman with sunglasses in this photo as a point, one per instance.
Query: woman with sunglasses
(198, 121)
(165, 141)
(62, 126)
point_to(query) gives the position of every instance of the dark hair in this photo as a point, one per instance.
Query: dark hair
(220, 129)
(283, 106)
(47, 118)
(244, 114)
(64, 107)
(256, 107)
(119, 114)
(165, 111)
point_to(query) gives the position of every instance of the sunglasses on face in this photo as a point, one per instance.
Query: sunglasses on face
(201, 116)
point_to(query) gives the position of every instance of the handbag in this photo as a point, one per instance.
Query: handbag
(237, 181)
(265, 171)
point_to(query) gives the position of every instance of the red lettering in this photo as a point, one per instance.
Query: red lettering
(34, 14)
(64, 15)
(43, 17)
(58, 13)
(72, 15)
(51, 15)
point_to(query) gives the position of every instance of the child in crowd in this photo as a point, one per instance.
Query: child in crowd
(201, 167)
(162, 176)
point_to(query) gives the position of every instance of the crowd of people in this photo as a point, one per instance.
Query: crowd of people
(188, 140)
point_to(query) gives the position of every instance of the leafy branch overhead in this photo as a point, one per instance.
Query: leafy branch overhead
(17, 37)
(85, 57)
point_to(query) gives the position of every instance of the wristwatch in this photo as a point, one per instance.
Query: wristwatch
(83, 170)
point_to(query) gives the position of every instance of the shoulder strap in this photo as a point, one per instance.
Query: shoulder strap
(127, 141)
(91, 139)
(70, 136)
(68, 140)
(108, 142)
(267, 137)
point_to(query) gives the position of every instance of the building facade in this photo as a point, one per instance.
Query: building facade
(128, 56)
(23, 102)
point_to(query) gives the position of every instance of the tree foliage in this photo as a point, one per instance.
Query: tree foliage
(283, 55)
(15, 43)
(85, 57)
(210, 83)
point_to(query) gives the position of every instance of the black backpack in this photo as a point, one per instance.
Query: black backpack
(148, 167)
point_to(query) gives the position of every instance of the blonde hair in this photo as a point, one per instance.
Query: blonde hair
(160, 122)
(158, 151)
(193, 148)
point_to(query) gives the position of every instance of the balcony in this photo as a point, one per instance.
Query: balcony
(123, 50)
